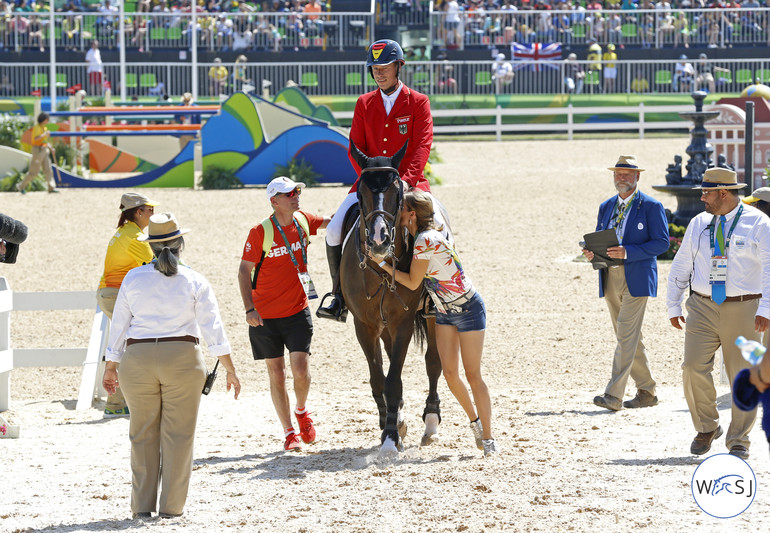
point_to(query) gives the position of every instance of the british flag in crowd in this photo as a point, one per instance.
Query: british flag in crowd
(536, 56)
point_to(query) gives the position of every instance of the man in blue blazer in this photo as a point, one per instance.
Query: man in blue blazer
(640, 223)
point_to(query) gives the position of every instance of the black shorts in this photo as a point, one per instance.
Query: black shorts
(294, 332)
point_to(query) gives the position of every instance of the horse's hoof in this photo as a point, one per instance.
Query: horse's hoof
(431, 429)
(389, 449)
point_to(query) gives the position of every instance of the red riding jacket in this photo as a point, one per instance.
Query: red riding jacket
(378, 134)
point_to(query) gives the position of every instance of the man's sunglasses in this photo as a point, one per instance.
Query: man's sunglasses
(292, 194)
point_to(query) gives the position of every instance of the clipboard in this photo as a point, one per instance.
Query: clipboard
(598, 242)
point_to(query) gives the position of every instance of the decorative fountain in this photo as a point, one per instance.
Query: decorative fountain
(700, 152)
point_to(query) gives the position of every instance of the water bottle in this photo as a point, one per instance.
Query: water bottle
(752, 350)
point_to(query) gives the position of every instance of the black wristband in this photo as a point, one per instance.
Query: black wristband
(250, 310)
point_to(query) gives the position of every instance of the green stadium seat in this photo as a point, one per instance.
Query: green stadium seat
(723, 77)
(592, 78)
(628, 31)
(483, 78)
(174, 34)
(353, 79)
(39, 81)
(131, 81)
(579, 31)
(309, 79)
(663, 77)
(763, 75)
(157, 34)
(744, 76)
(61, 81)
(421, 79)
(147, 80)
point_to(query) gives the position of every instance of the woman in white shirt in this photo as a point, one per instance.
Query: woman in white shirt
(460, 316)
(161, 312)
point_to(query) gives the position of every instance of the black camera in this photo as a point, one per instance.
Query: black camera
(210, 379)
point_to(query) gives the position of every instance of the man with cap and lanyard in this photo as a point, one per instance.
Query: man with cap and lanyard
(383, 121)
(640, 224)
(724, 261)
(276, 301)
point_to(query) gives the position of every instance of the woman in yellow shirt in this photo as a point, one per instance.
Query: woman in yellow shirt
(124, 253)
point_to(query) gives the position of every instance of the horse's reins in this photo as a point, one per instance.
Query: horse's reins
(387, 279)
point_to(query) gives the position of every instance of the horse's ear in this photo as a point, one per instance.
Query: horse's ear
(361, 158)
(395, 161)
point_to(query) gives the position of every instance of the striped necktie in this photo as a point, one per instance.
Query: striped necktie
(719, 290)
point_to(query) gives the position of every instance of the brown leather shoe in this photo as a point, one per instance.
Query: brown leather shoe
(608, 402)
(740, 451)
(702, 442)
(643, 398)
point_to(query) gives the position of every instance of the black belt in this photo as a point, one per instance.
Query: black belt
(183, 338)
(741, 298)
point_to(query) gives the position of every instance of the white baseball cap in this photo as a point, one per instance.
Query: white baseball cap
(282, 185)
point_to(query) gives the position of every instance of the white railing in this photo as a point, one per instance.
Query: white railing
(430, 77)
(89, 358)
(569, 126)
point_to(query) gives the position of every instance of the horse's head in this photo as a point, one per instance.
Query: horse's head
(380, 195)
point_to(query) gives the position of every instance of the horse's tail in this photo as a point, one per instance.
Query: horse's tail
(420, 324)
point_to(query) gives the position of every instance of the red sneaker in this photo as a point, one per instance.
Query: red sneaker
(306, 429)
(292, 443)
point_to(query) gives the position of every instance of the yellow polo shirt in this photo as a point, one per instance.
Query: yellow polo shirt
(40, 135)
(124, 253)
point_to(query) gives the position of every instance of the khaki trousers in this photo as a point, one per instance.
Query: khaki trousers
(162, 383)
(627, 313)
(708, 327)
(40, 159)
(106, 297)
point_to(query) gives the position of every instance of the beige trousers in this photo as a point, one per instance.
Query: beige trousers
(40, 159)
(106, 297)
(627, 313)
(162, 383)
(708, 327)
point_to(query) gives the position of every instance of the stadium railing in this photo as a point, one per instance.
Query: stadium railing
(430, 77)
(715, 28)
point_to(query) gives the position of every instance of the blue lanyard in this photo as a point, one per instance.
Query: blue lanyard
(288, 245)
(729, 233)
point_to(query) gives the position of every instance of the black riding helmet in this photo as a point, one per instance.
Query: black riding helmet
(384, 52)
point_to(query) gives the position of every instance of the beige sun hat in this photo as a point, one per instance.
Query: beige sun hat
(720, 178)
(162, 227)
(626, 162)
(135, 199)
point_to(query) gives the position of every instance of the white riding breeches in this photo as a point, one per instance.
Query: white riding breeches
(334, 229)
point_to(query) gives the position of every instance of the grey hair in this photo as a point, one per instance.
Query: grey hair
(167, 255)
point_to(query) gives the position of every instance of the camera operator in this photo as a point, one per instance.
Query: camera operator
(12, 234)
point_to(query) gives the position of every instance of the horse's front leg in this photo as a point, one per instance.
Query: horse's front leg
(391, 439)
(432, 414)
(368, 338)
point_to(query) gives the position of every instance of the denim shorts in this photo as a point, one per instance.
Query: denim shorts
(470, 316)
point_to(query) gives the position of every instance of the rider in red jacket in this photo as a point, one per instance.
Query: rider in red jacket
(383, 121)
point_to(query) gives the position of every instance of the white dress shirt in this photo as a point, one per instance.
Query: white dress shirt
(390, 99)
(620, 206)
(748, 259)
(151, 305)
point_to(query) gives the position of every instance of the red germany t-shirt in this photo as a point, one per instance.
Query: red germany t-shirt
(279, 292)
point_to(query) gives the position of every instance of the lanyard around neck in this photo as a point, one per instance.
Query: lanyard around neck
(619, 217)
(713, 225)
(288, 245)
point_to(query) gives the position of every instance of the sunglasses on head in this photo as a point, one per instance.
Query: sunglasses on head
(291, 194)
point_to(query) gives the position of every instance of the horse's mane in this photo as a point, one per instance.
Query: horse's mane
(378, 179)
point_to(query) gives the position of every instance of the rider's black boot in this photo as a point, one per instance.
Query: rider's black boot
(336, 309)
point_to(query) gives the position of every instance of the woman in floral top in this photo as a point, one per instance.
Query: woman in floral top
(460, 317)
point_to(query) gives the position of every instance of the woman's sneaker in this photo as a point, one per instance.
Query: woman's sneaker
(490, 447)
(478, 433)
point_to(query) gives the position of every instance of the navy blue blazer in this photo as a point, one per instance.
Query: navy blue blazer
(645, 238)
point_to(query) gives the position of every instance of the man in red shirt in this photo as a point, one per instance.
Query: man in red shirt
(277, 301)
(383, 121)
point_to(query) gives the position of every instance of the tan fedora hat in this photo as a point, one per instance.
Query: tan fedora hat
(626, 162)
(162, 227)
(720, 178)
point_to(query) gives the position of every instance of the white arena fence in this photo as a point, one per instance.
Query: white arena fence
(651, 28)
(90, 358)
(352, 78)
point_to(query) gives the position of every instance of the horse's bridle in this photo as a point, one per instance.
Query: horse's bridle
(389, 278)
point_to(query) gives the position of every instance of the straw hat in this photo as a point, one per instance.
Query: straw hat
(626, 162)
(720, 178)
(162, 227)
(187, 97)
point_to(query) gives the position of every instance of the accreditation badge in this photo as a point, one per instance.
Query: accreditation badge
(718, 271)
(307, 285)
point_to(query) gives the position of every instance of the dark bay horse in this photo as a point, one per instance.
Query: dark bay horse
(382, 310)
